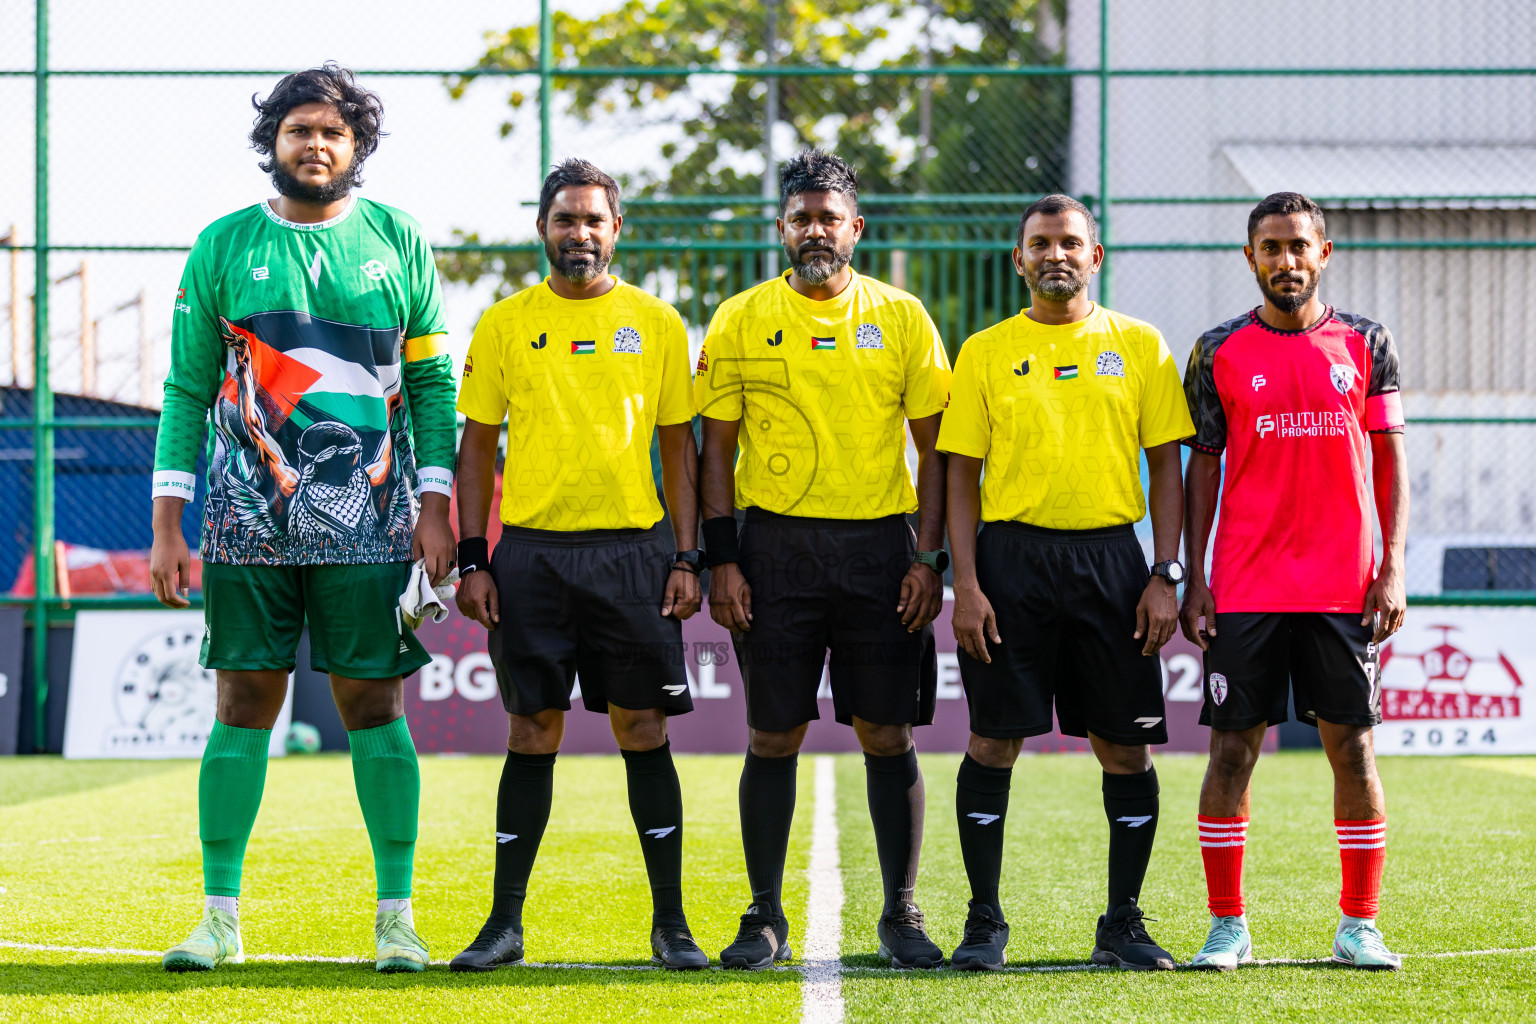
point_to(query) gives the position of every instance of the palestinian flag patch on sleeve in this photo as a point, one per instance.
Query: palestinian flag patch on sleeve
(1066, 372)
(823, 344)
(587, 348)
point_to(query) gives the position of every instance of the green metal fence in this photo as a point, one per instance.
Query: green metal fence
(958, 114)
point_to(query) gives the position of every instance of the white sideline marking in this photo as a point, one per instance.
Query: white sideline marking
(1057, 968)
(821, 994)
(835, 964)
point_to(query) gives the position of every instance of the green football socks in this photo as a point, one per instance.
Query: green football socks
(388, 790)
(229, 789)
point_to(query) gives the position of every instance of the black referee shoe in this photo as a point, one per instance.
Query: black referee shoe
(1121, 940)
(673, 948)
(905, 941)
(760, 941)
(984, 945)
(499, 944)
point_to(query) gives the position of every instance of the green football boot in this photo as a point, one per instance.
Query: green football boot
(399, 947)
(1358, 943)
(1227, 945)
(215, 940)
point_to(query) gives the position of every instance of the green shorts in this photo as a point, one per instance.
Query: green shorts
(254, 615)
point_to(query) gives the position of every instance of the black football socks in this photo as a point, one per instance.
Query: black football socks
(1130, 803)
(522, 812)
(981, 805)
(656, 804)
(895, 789)
(767, 801)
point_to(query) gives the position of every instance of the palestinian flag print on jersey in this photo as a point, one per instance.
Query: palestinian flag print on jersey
(311, 452)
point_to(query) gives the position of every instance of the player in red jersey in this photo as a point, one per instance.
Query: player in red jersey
(1304, 400)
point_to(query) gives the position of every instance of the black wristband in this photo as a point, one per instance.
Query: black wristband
(474, 555)
(720, 541)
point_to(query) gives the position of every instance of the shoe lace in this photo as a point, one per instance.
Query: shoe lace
(1369, 937)
(1132, 925)
(1226, 930)
(490, 933)
(980, 929)
(907, 923)
(752, 925)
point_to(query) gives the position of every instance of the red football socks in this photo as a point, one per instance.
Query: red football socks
(1362, 853)
(1221, 847)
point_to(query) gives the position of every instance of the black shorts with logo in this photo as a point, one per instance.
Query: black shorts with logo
(1325, 658)
(1065, 602)
(831, 583)
(588, 602)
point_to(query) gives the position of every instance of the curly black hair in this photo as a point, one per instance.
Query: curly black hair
(330, 83)
(815, 170)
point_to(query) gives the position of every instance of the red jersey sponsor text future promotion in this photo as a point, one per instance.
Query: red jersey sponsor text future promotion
(1292, 409)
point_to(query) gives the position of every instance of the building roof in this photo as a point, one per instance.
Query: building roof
(1420, 175)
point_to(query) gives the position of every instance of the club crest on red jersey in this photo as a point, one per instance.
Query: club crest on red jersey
(1343, 377)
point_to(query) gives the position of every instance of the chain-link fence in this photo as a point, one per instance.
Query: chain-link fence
(1412, 122)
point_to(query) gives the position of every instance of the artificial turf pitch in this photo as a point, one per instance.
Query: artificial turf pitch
(103, 856)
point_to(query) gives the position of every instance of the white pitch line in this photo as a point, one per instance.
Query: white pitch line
(835, 964)
(1058, 968)
(821, 993)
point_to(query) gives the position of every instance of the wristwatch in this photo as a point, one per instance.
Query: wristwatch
(1171, 570)
(938, 560)
(690, 561)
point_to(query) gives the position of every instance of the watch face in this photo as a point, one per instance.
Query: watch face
(1175, 572)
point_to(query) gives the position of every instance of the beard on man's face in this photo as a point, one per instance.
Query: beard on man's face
(1062, 288)
(1288, 302)
(579, 262)
(338, 187)
(817, 263)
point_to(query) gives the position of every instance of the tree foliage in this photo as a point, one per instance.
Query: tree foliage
(986, 132)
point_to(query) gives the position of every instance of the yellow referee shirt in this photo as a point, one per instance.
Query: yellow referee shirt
(1061, 413)
(585, 383)
(821, 389)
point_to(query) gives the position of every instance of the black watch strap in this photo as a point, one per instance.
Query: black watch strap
(688, 561)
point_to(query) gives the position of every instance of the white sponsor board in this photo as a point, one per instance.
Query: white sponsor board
(136, 689)
(1454, 681)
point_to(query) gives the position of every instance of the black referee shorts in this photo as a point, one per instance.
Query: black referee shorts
(1065, 602)
(1326, 660)
(586, 601)
(820, 584)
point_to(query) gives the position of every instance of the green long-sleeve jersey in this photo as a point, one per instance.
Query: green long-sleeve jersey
(307, 358)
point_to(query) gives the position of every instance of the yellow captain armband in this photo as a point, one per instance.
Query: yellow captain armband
(424, 347)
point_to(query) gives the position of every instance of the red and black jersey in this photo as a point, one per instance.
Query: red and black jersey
(1291, 409)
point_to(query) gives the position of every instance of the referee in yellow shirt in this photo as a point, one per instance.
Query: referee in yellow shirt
(581, 368)
(811, 375)
(1054, 601)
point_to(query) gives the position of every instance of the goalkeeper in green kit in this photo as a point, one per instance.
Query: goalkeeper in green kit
(306, 359)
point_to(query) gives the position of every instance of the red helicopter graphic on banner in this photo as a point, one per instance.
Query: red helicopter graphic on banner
(1446, 681)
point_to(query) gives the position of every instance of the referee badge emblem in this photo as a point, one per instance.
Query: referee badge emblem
(1218, 687)
(868, 336)
(626, 339)
(1110, 365)
(1343, 377)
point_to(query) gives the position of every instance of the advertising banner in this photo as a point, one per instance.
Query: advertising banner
(1453, 682)
(453, 704)
(11, 625)
(136, 689)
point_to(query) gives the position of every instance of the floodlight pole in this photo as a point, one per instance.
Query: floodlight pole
(42, 400)
(770, 162)
(1104, 289)
(546, 66)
